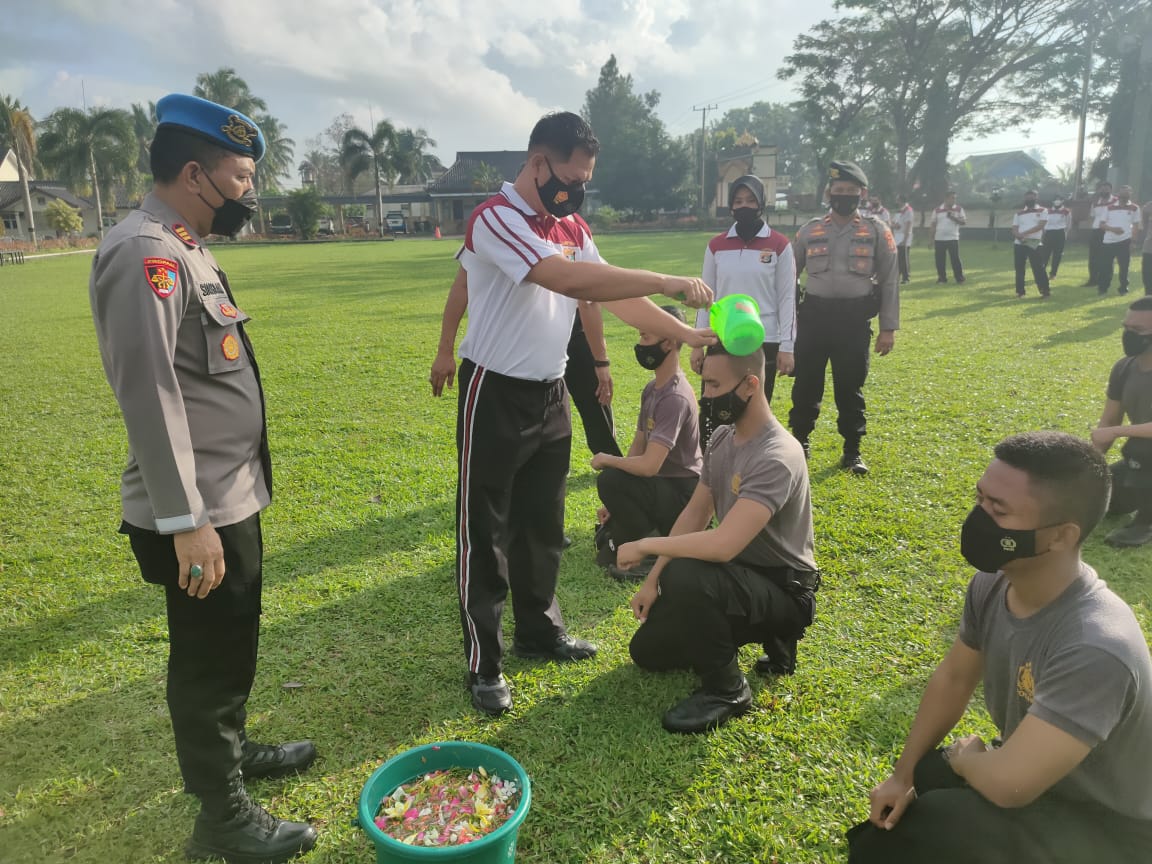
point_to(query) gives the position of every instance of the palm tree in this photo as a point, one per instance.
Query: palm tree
(144, 127)
(277, 161)
(225, 87)
(412, 163)
(92, 149)
(360, 152)
(18, 131)
(485, 178)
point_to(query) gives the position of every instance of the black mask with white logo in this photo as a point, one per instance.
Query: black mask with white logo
(988, 547)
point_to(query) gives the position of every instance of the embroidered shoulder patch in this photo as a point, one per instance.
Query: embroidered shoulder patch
(162, 275)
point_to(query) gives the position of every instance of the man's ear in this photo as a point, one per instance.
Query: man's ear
(1067, 536)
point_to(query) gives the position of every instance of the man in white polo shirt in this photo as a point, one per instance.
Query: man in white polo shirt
(1118, 220)
(529, 259)
(901, 223)
(1055, 233)
(1099, 210)
(946, 222)
(1028, 230)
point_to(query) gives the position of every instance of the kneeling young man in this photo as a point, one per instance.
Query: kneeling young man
(750, 579)
(1067, 681)
(644, 492)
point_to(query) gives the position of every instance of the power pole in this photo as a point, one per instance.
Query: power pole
(1078, 179)
(703, 109)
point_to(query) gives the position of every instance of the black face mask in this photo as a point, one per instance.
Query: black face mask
(844, 205)
(650, 356)
(723, 409)
(746, 215)
(988, 547)
(233, 214)
(1135, 344)
(560, 199)
(1029, 203)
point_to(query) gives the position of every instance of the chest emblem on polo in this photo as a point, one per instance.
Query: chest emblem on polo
(230, 347)
(162, 274)
(1025, 683)
(735, 484)
(766, 257)
(569, 252)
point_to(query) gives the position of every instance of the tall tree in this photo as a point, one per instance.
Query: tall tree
(94, 149)
(225, 87)
(324, 167)
(144, 126)
(640, 167)
(277, 162)
(361, 151)
(18, 132)
(411, 160)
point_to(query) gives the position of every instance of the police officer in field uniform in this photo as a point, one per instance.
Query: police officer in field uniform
(174, 348)
(851, 263)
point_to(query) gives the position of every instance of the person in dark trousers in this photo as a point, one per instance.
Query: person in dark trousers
(1066, 678)
(175, 348)
(1099, 213)
(1027, 231)
(851, 264)
(1130, 395)
(530, 259)
(947, 219)
(1120, 220)
(1055, 235)
(1146, 260)
(902, 225)
(645, 491)
(753, 577)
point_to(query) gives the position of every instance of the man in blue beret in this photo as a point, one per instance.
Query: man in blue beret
(176, 352)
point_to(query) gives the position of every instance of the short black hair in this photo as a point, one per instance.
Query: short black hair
(1144, 304)
(560, 133)
(748, 364)
(173, 148)
(1069, 476)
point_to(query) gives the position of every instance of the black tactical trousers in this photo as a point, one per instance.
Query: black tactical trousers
(212, 650)
(1024, 256)
(827, 333)
(951, 250)
(640, 506)
(1114, 256)
(580, 378)
(1054, 250)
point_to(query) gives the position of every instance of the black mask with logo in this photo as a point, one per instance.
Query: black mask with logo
(233, 214)
(721, 410)
(650, 356)
(988, 547)
(1135, 344)
(560, 199)
(844, 205)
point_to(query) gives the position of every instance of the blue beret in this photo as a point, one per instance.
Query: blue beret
(849, 171)
(220, 125)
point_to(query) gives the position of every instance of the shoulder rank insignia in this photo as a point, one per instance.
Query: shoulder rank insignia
(184, 235)
(163, 276)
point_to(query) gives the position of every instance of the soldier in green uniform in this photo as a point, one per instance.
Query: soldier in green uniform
(174, 348)
(852, 277)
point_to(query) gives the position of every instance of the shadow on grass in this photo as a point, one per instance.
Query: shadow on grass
(1107, 320)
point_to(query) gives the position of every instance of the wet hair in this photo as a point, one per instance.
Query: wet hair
(1067, 475)
(749, 364)
(1144, 304)
(560, 133)
(173, 148)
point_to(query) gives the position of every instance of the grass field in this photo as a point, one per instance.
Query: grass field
(360, 603)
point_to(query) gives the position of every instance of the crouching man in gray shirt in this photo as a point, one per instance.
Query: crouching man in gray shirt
(1067, 681)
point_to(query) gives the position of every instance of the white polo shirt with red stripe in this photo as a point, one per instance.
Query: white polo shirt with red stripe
(1031, 220)
(1122, 216)
(764, 269)
(515, 327)
(946, 227)
(1058, 219)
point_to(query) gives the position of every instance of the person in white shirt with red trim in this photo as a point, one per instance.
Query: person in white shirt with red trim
(1099, 209)
(946, 220)
(1055, 234)
(901, 223)
(750, 258)
(1118, 220)
(529, 260)
(1028, 231)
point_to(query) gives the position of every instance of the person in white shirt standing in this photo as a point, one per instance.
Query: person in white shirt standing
(1027, 230)
(901, 223)
(1118, 220)
(1055, 233)
(529, 260)
(946, 220)
(1099, 211)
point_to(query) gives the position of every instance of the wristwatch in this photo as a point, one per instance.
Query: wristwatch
(600, 364)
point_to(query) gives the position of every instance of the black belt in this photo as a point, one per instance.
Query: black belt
(794, 581)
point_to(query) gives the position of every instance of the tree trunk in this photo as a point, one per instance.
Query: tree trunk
(379, 196)
(932, 166)
(96, 192)
(27, 196)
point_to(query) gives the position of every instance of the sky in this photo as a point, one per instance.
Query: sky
(476, 74)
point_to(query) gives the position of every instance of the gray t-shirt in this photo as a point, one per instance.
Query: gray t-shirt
(668, 416)
(1081, 664)
(1131, 386)
(769, 469)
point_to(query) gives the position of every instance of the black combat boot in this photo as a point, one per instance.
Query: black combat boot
(232, 826)
(723, 694)
(275, 760)
(779, 657)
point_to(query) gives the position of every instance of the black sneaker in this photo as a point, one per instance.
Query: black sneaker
(854, 463)
(489, 695)
(634, 574)
(960, 280)
(276, 760)
(564, 649)
(235, 828)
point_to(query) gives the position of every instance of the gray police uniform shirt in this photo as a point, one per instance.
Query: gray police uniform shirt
(845, 262)
(1081, 664)
(181, 368)
(669, 417)
(1131, 386)
(769, 469)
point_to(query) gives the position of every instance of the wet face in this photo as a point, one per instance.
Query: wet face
(719, 377)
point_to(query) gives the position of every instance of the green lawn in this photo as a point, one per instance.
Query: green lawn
(360, 603)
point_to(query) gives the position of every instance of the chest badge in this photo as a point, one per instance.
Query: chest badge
(570, 253)
(766, 257)
(1025, 683)
(230, 347)
(163, 276)
(735, 484)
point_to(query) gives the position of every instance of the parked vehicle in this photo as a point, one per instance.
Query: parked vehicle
(396, 222)
(280, 224)
(326, 226)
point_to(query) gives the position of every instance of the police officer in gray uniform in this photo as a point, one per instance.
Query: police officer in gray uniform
(174, 348)
(851, 263)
